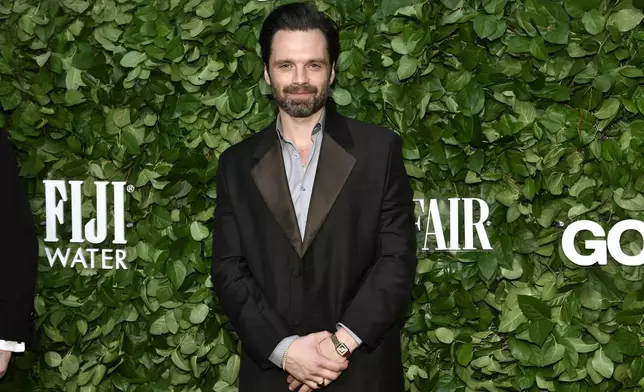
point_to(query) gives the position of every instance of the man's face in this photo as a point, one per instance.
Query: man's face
(299, 72)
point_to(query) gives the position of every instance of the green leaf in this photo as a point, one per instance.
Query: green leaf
(175, 49)
(583, 347)
(602, 364)
(630, 316)
(121, 117)
(487, 265)
(231, 371)
(74, 97)
(520, 350)
(179, 361)
(484, 25)
(41, 60)
(594, 22)
(519, 44)
(538, 49)
(625, 19)
(637, 369)
(159, 326)
(555, 182)
(533, 308)
(389, 7)
(171, 322)
(471, 99)
(53, 359)
(445, 335)
(628, 342)
(198, 231)
(591, 299)
(556, 32)
(176, 271)
(452, 4)
(406, 67)
(551, 353)
(133, 58)
(540, 330)
(69, 365)
(199, 313)
(635, 203)
(341, 96)
(160, 216)
(464, 354)
(494, 6)
(609, 108)
(511, 319)
(398, 45)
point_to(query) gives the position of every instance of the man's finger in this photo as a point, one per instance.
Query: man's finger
(322, 335)
(332, 365)
(327, 374)
(294, 384)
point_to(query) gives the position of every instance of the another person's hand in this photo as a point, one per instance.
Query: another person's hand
(327, 349)
(5, 356)
(306, 363)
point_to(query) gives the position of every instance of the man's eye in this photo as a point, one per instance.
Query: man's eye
(315, 65)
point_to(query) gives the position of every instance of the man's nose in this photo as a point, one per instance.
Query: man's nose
(300, 76)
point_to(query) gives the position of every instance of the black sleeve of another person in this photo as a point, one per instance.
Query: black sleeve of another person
(18, 251)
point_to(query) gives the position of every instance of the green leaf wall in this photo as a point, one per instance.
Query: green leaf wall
(535, 106)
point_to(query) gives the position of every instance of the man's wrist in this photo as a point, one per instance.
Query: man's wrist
(346, 338)
(285, 356)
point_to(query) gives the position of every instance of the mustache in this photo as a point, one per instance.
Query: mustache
(295, 89)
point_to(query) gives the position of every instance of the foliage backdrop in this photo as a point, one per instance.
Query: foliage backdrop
(533, 105)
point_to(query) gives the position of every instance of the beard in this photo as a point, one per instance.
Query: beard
(302, 107)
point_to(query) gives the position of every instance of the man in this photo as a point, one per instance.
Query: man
(18, 259)
(314, 229)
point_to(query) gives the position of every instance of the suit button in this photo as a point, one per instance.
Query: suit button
(296, 271)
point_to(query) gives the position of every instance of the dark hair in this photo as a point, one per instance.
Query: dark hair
(299, 17)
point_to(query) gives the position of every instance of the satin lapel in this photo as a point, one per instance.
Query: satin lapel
(270, 178)
(334, 166)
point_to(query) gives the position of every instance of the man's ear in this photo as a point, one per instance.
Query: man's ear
(267, 76)
(332, 76)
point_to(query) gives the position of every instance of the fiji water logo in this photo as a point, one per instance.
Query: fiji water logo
(95, 231)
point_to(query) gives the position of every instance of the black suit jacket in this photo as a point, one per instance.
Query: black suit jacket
(355, 265)
(18, 251)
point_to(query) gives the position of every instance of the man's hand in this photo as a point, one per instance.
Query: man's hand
(5, 356)
(327, 349)
(306, 363)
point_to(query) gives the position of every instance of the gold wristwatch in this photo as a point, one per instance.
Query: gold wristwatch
(340, 347)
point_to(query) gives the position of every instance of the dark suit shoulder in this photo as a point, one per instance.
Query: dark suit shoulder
(372, 134)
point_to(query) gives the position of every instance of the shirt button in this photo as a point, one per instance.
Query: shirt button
(296, 155)
(303, 188)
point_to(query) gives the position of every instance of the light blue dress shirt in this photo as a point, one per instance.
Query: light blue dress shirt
(300, 177)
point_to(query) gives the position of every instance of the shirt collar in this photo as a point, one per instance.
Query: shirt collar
(319, 126)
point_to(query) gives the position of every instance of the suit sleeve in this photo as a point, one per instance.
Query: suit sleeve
(259, 327)
(387, 289)
(18, 251)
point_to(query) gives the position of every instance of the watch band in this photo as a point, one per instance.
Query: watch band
(340, 347)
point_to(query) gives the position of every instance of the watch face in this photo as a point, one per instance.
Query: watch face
(342, 349)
